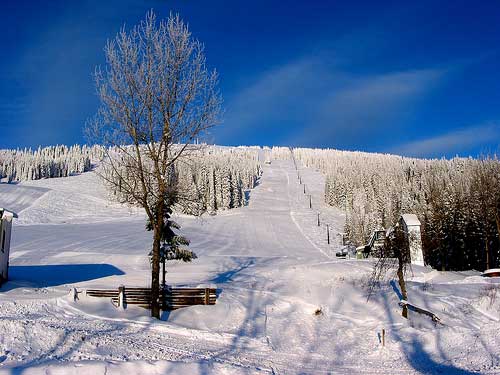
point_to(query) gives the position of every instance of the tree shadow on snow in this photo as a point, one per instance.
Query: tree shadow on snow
(50, 275)
(416, 355)
(248, 192)
(227, 276)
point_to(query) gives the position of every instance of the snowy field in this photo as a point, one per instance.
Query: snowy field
(273, 268)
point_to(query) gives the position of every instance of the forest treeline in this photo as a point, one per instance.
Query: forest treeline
(212, 178)
(47, 162)
(209, 179)
(457, 201)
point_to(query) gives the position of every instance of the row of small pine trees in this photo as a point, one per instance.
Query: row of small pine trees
(47, 162)
(212, 178)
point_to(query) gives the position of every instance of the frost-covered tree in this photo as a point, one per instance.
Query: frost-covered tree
(457, 200)
(47, 162)
(157, 97)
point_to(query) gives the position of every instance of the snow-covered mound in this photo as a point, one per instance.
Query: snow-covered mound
(18, 197)
(285, 304)
(75, 199)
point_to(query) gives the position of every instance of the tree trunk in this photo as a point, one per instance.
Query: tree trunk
(497, 219)
(487, 250)
(155, 274)
(402, 286)
(163, 273)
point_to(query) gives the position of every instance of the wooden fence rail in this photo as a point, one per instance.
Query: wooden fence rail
(170, 299)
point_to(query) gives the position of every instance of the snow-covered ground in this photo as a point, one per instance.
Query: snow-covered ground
(286, 304)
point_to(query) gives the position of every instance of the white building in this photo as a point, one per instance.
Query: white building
(5, 232)
(411, 226)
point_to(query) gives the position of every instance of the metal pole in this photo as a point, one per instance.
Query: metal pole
(310, 201)
(328, 233)
(304, 188)
(318, 219)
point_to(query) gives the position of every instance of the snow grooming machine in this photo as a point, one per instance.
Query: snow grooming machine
(5, 232)
(373, 247)
(410, 224)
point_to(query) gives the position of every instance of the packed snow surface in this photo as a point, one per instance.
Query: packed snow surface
(286, 305)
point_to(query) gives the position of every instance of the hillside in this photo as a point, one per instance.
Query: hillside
(273, 267)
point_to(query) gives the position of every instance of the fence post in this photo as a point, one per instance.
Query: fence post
(207, 296)
(75, 294)
(318, 219)
(328, 233)
(121, 296)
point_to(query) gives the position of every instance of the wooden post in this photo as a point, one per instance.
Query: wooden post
(318, 219)
(121, 296)
(328, 233)
(383, 336)
(207, 296)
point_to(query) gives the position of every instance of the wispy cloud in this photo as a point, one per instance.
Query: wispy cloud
(312, 100)
(279, 96)
(368, 105)
(454, 142)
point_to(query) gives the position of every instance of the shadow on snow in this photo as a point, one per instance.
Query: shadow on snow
(50, 275)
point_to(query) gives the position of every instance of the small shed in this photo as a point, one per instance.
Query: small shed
(6, 218)
(411, 226)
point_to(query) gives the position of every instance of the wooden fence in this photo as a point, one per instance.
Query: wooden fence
(170, 298)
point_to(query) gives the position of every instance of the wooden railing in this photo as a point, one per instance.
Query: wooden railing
(170, 299)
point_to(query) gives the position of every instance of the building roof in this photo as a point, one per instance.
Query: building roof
(5, 212)
(410, 219)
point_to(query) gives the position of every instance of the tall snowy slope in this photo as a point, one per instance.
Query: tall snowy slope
(285, 305)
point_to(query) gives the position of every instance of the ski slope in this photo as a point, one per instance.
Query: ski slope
(273, 267)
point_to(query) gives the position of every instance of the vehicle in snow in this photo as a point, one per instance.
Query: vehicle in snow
(492, 272)
(5, 232)
(348, 251)
(373, 247)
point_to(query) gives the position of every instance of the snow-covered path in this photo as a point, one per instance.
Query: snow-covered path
(272, 266)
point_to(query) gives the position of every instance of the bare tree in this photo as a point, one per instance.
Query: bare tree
(394, 257)
(157, 97)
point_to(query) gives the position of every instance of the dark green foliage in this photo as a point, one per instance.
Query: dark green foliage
(172, 244)
(457, 201)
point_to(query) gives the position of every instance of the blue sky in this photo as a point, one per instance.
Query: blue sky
(417, 79)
